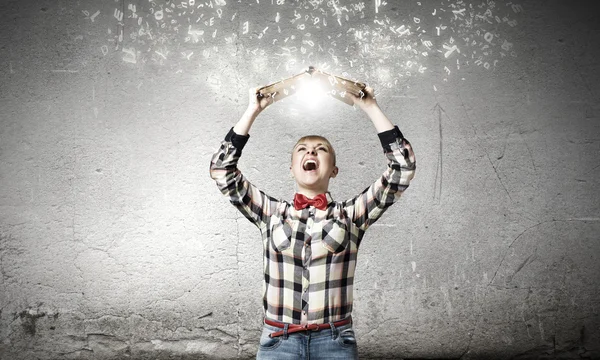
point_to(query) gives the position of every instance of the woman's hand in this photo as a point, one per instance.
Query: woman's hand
(367, 101)
(369, 105)
(257, 102)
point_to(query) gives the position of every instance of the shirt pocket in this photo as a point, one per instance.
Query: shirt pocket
(281, 235)
(335, 235)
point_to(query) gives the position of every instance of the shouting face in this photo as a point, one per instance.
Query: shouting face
(313, 164)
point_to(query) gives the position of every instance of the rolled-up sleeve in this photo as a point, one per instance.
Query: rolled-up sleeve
(368, 206)
(254, 204)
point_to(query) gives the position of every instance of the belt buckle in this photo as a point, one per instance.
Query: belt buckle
(311, 327)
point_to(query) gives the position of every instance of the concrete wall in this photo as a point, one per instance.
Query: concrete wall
(115, 243)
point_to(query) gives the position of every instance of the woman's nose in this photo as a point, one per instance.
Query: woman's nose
(312, 152)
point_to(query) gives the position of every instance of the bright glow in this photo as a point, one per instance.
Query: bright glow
(310, 93)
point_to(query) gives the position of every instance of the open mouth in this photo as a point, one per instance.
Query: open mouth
(310, 165)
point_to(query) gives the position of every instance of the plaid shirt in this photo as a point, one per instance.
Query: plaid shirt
(310, 254)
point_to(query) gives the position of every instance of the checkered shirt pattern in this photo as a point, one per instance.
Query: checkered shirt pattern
(310, 254)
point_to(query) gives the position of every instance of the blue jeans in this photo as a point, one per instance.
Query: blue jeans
(334, 343)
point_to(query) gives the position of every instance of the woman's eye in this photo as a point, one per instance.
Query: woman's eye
(323, 149)
(301, 148)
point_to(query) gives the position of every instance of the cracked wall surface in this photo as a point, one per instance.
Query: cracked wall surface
(115, 243)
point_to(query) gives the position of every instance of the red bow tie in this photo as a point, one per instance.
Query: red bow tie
(301, 202)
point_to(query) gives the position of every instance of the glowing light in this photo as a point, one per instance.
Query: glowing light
(311, 93)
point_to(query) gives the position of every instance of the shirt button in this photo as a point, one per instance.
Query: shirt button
(304, 312)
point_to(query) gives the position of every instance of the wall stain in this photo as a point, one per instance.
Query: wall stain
(29, 319)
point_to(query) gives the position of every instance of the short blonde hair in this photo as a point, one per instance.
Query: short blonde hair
(316, 138)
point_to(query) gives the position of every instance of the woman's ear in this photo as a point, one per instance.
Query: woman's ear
(334, 172)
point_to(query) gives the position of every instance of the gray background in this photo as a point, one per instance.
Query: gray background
(115, 243)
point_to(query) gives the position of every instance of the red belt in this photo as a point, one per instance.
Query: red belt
(292, 328)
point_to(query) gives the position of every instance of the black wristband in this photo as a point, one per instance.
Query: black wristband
(239, 141)
(389, 137)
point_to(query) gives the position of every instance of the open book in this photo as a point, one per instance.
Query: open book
(336, 86)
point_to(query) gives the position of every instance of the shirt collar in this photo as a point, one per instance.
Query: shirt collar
(329, 198)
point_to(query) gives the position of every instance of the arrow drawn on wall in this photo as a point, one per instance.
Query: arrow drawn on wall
(437, 187)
